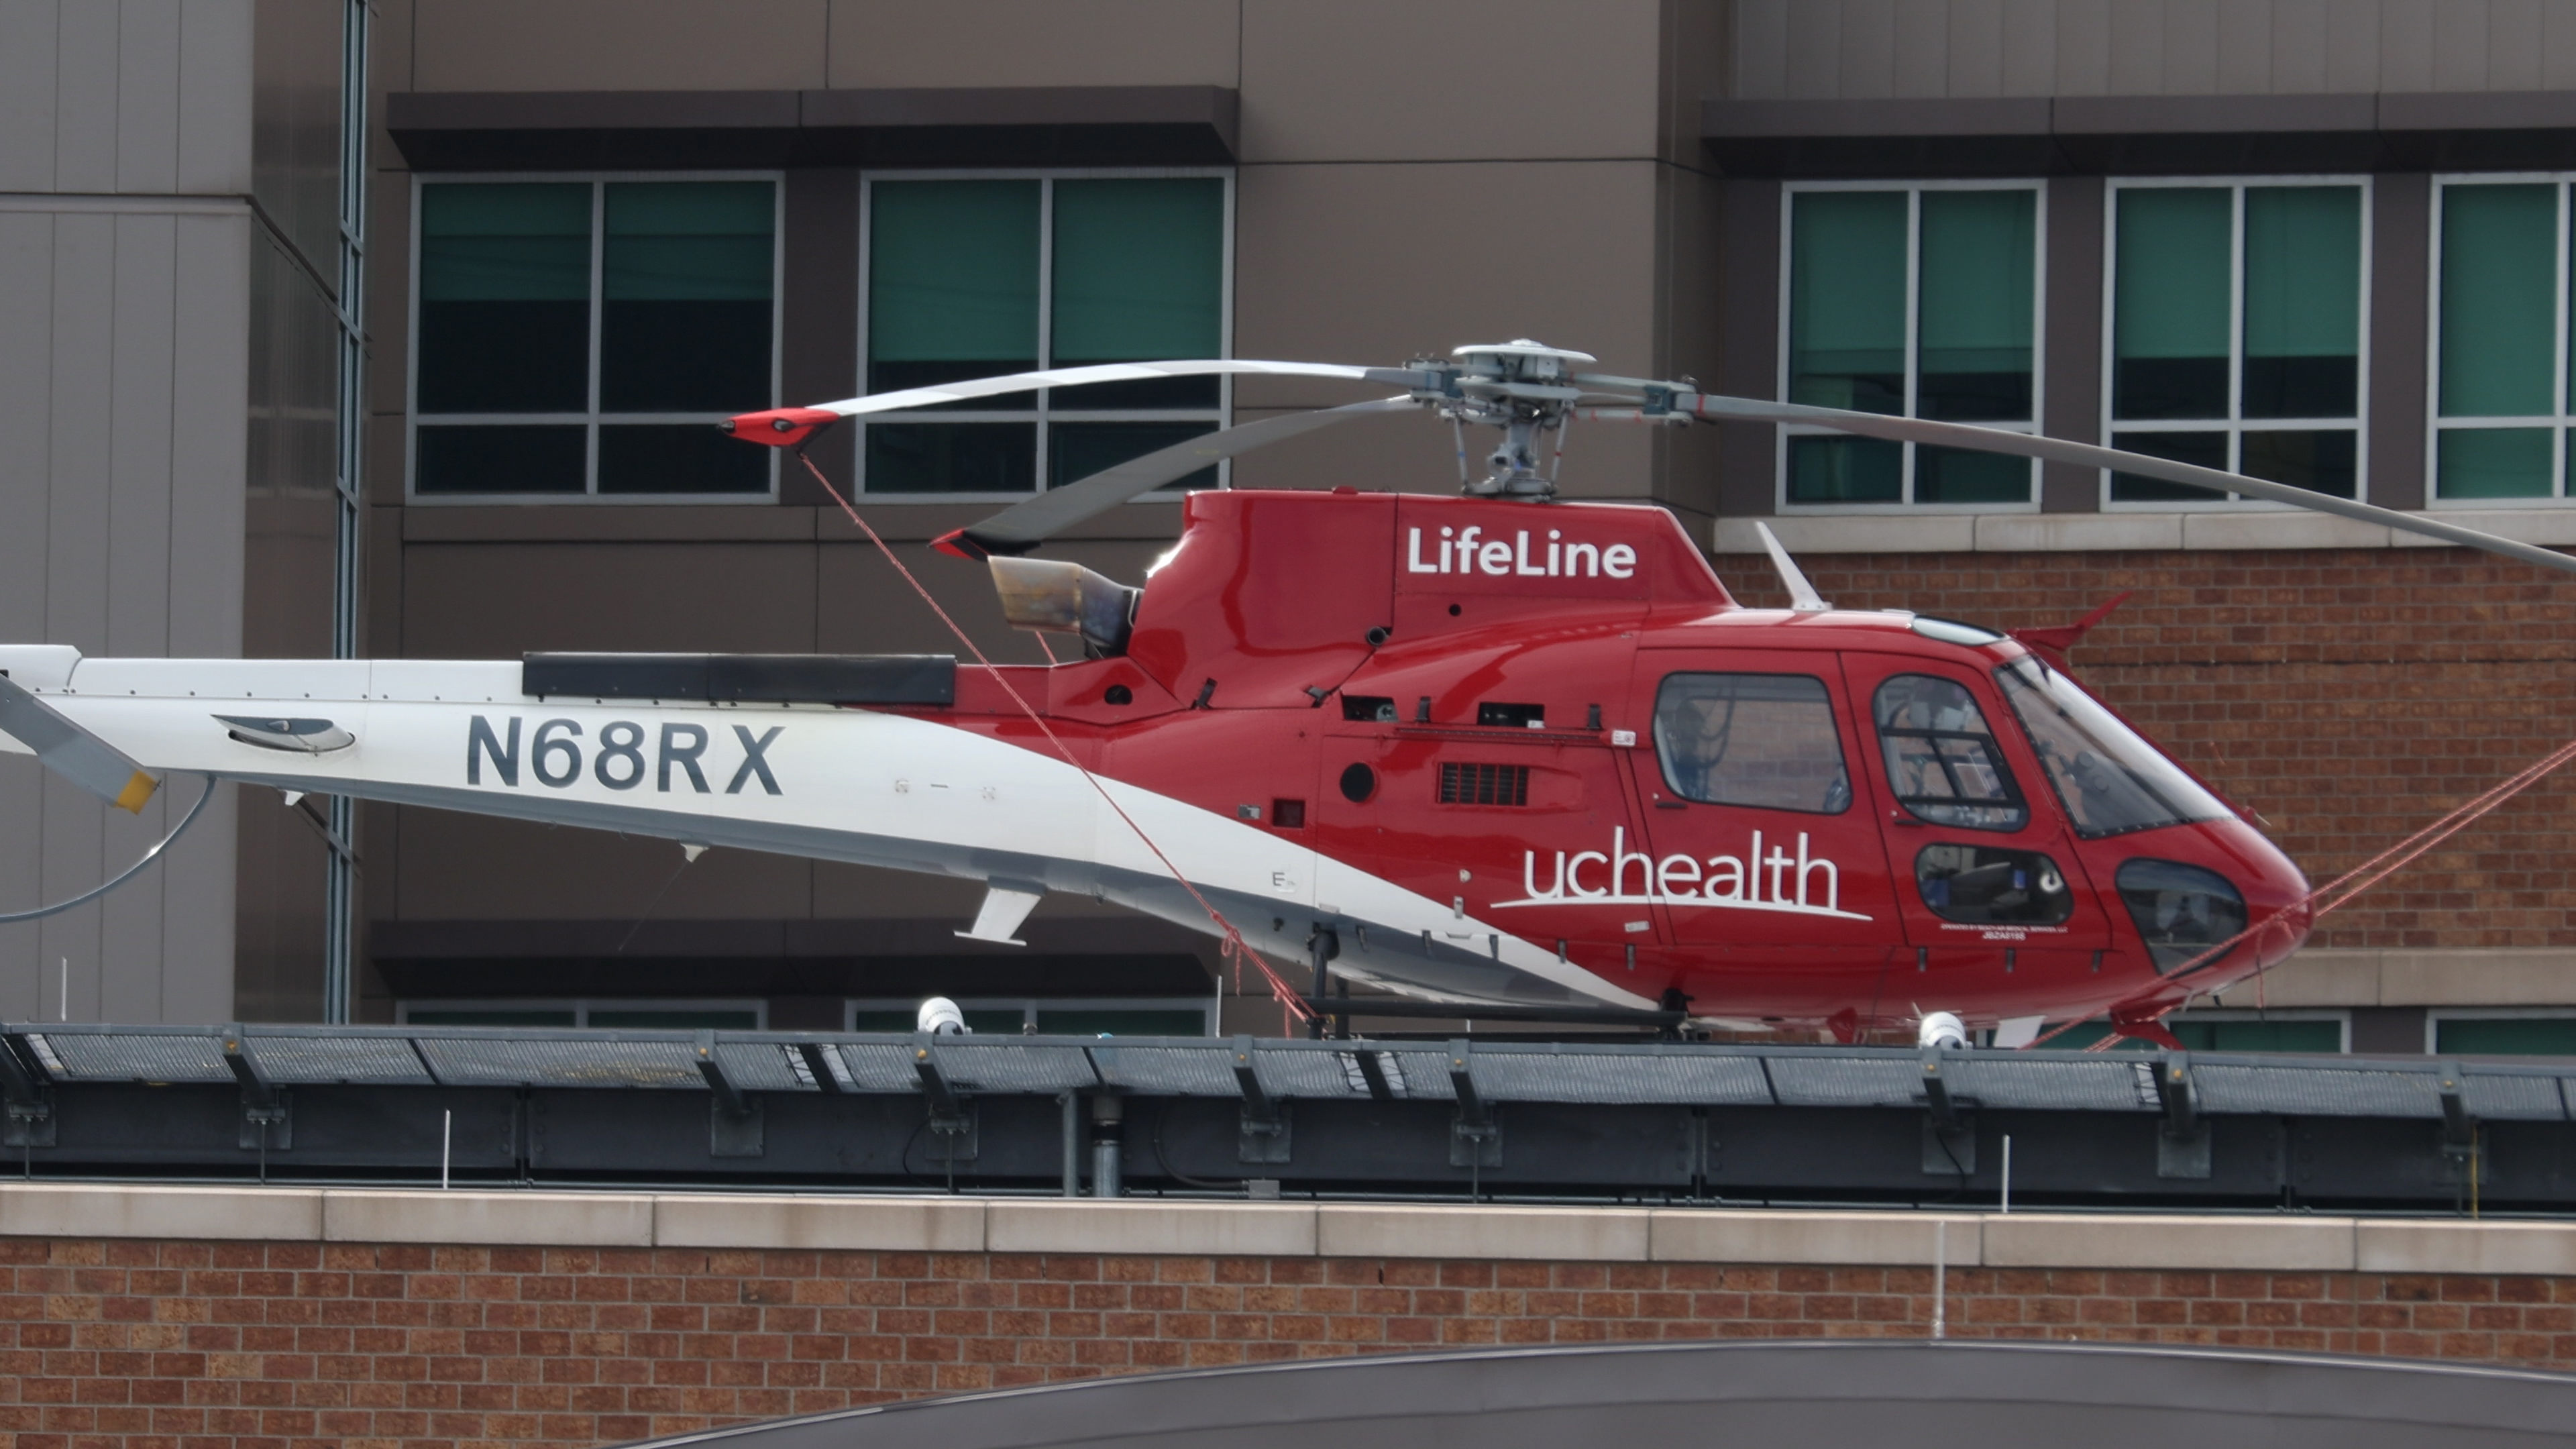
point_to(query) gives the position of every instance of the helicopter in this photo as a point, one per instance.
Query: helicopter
(1485, 753)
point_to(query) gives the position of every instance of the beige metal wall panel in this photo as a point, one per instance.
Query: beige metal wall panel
(902, 44)
(85, 98)
(1362, 80)
(147, 95)
(27, 30)
(620, 45)
(123, 524)
(214, 97)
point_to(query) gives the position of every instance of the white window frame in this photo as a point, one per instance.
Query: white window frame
(2341, 1018)
(598, 182)
(2434, 423)
(2235, 425)
(1043, 415)
(1913, 190)
(582, 1006)
(1029, 1006)
(2439, 1014)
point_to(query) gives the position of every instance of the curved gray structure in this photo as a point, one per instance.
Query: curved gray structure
(1917, 1393)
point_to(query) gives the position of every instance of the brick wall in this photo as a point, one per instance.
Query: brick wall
(142, 1342)
(2349, 695)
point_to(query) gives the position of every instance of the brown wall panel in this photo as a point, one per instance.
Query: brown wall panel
(612, 45)
(2073, 328)
(2400, 282)
(1033, 43)
(476, 868)
(466, 601)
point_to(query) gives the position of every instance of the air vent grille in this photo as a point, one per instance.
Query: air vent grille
(1464, 784)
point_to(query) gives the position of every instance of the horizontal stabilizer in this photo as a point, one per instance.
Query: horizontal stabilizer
(72, 752)
(1006, 905)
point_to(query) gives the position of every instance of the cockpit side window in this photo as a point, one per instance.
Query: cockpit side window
(2111, 780)
(1764, 740)
(1941, 758)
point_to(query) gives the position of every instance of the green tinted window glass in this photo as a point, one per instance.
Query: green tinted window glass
(418, 1017)
(1961, 475)
(1122, 1023)
(2528, 1036)
(1974, 335)
(1847, 300)
(2493, 463)
(1139, 269)
(2260, 1036)
(982, 1022)
(504, 298)
(1075, 451)
(685, 281)
(952, 281)
(665, 1019)
(505, 242)
(688, 241)
(2499, 303)
(1826, 469)
(2302, 301)
(2170, 303)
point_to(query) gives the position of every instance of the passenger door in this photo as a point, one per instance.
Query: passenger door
(1757, 835)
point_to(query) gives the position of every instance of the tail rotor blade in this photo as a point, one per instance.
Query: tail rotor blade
(73, 752)
(1023, 526)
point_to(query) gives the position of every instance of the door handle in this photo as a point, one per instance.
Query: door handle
(1899, 817)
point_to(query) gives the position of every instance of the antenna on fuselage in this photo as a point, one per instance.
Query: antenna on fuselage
(1802, 595)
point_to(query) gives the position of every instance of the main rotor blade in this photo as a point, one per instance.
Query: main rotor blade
(948, 392)
(1023, 526)
(2086, 455)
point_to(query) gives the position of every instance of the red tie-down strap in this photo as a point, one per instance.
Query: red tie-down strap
(1235, 948)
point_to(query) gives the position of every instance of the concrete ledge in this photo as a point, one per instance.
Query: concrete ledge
(2220, 530)
(2474, 1247)
(1678, 1235)
(2184, 1243)
(1853, 533)
(2488, 977)
(2220, 1244)
(82, 1210)
(2048, 532)
(566, 1219)
(1587, 1235)
(1267, 1230)
(896, 1225)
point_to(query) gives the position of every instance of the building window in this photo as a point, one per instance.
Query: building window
(977, 275)
(579, 339)
(2235, 337)
(603, 1014)
(2522, 1032)
(1916, 302)
(2501, 381)
(1044, 1016)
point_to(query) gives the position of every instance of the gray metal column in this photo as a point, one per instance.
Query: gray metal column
(340, 879)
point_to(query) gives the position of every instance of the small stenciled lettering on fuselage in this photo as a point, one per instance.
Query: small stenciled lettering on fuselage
(1552, 556)
(1766, 877)
(622, 755)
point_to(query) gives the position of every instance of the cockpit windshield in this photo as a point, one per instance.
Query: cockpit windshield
(2109, 779)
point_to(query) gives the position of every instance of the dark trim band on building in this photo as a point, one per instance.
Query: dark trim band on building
(2143, 135)
(997, 126)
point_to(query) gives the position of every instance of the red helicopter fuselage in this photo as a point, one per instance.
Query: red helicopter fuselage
(1555, 716)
